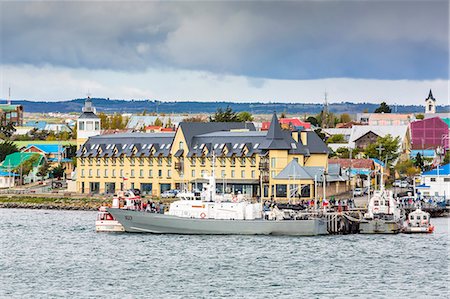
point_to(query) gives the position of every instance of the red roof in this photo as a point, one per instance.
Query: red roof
(353, 163)
(295, 122)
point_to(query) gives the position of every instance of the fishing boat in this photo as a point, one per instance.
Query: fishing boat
(383, 214)
(105, 221)
(218, 215)
(418, 222)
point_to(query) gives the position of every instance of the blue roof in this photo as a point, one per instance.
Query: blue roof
(356, 171)
(423, 186)
(378, 161)
(48, 148)
(36, 124)
(428, 153)
(443, 170)
(5, 173)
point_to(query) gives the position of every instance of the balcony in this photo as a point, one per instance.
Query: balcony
(264, 166)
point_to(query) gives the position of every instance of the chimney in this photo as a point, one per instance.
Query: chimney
(304, 137)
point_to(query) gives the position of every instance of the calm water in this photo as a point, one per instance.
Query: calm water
(58, 254)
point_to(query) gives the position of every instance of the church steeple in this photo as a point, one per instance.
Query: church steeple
(430, 96)
(430, 103)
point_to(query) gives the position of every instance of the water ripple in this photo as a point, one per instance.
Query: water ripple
(58, 254)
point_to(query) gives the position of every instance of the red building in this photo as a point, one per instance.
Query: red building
(429, 133)
(288, 123)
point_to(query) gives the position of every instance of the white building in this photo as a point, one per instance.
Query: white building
(435, 183)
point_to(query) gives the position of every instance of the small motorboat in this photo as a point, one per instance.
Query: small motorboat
(106, 222)
(418, 222)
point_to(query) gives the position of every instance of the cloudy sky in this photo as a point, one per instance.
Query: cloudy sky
(363, 51)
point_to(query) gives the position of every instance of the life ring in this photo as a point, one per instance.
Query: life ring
(203, 215)
(234, 198)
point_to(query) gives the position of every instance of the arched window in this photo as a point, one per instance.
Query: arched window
(430, 107)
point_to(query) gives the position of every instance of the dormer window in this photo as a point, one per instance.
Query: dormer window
(293, 145)
(235, 146)
(256, 146)
(124, 146)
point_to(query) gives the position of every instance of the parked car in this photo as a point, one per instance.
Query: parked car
(169, 194)
(396, 183)
(404, 184)
(358, 192)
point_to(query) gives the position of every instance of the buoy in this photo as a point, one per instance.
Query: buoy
(203, 215)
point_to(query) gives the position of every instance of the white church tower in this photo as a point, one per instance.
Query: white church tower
(430, 103)
(88, 123)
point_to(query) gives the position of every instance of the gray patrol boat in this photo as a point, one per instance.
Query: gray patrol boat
(220, 215)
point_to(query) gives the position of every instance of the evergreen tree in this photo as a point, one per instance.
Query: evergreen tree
(58, 171)
(419, 161)
(227, 115)
(6, 148)
(383, 108)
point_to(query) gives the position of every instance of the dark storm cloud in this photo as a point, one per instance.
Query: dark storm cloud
(283, 40)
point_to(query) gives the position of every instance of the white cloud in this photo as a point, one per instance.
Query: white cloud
(53, 83)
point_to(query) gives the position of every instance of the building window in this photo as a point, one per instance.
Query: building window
(121, 173)
(433, 179)
(242, 161)
(180, 145)
(446, 179)
(141, 161)
(160, 173)
(90, 172)
(242, 174)
(105, 161)
(273, 174)
(150, 173)
(97, 125)
(223, 173)
(141, 173)
(273, 162)
(253, 161)
(98, 172)
(132, 161)
(169, 173)
(233, 161)
(81, 125)
(203, 173)
(114, 173)
(82, 161)
(82, 173)
(232, 173)
(169, 161)
(193, 173)
(132, 173)
(106, 172)
(202, 161)
(253, 174)
(159, 161)
(193, 160)
(222, 162)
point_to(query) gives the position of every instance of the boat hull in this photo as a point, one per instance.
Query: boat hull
(418, 230)
(379, 226)
(108, 226)
(142, 222)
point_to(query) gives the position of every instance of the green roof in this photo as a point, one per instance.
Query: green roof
(8, 108)
(21, 144)
(447, 121)
(15, 159)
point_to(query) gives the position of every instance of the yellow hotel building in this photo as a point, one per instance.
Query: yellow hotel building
(280, 163)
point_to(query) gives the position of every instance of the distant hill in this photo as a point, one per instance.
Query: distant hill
(131, 106)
